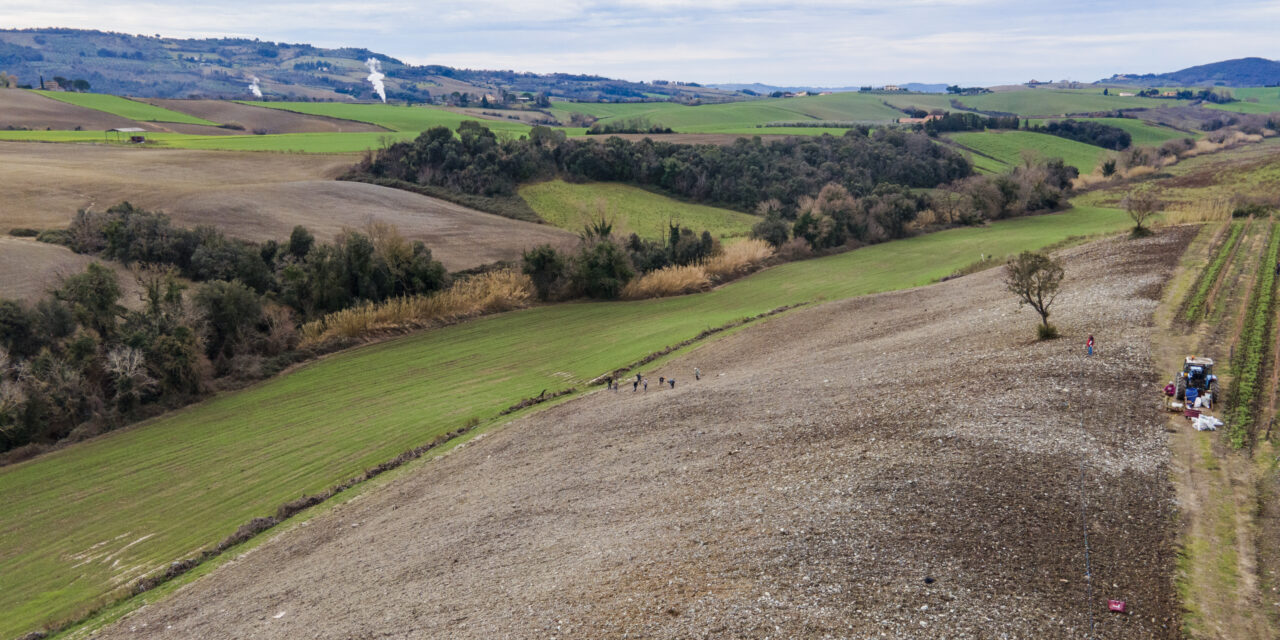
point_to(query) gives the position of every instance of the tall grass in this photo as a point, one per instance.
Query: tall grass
(483, 294)
(1202, 210)
(668, 281)
(738, 259)
(733, 261)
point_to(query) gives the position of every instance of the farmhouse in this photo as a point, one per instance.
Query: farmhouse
(892, 87)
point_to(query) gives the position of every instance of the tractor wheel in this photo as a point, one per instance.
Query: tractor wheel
(1213, 389)
(1182, 390)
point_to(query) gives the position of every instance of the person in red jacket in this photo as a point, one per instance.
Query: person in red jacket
(1088, 344)
(1170, 389)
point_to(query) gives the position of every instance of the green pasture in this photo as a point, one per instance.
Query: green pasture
(82, 523)
(1053, 102)
(1268, 100)
(123, 107)
(742, 117)
(1007, 147)
(394, 117)
(632, 210)
(1143, 133)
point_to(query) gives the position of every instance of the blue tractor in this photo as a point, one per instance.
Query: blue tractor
(1197, 373)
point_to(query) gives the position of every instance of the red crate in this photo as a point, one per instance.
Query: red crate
(1116, 605)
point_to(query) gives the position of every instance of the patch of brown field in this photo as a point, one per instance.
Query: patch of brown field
(907, 465)
(255, 196)
(30, 269)
(261, 118)
(26, 110)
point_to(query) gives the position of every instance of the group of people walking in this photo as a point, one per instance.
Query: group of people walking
(642, 382)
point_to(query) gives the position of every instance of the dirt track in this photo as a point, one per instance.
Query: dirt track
(907, 465)
(249, 195)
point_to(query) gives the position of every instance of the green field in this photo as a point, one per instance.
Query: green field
(631, 209)
(87, 520)
(1143, 133)
(742, 117)
(395, 117)
(1007, 147)
(1268, 100)
(123, 107)
(1053, 102)
(284, 142)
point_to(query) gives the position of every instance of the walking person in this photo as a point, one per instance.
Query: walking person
(672, 381)
(1088, 345)
(635, 386)
(697, 373)
(661, 381)
(646, 385)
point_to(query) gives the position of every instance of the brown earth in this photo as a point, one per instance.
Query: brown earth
(30, 269)
(26, 110)
(907, 465)
(255, 196)
(261, 119)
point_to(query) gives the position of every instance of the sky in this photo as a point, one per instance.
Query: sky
(798, 43)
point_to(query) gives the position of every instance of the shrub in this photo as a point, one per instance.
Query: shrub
(24, 232)
(545, 267)
(602, 270)
(1046, 332)
(490, 292)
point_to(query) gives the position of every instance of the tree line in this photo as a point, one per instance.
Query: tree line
(738, 176)
(78, 359)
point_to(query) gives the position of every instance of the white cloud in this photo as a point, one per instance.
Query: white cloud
(817, 42)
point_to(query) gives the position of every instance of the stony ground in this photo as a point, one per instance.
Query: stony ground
(909, 465)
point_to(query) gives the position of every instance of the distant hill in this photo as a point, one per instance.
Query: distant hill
(766, 89)
(1241, 72)
(157, 67)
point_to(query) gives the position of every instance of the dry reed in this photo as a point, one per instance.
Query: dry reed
(737, 259)
(668, 281)
(483, 294)
(1200, 210)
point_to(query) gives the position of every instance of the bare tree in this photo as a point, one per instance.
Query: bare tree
(1141, 203)
(1035, 278)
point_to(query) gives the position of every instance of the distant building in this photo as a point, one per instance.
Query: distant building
(50, 85)
(1170, 94)
(1125, 94)
(824, 93)
(1034, 83)
(892, 87)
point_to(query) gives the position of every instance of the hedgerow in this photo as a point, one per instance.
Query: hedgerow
(1253, 344)
(1195, 306)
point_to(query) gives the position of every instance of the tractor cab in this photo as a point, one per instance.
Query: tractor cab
(1197, 373)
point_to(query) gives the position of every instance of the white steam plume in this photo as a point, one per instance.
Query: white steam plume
(253, 86)
(375, 77)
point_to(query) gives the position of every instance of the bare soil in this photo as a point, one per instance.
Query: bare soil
(254, 196)
(907, 465)
(261, 119)
(27, 110)
(30, 269)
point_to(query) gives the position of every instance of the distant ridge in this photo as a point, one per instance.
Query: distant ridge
(1240, 72)
(766, 89)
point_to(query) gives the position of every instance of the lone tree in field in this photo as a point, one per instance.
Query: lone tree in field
(1035, 278)
(1141, 203)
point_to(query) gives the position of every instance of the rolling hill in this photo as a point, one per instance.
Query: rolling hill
(158, 67)
(1240, 72)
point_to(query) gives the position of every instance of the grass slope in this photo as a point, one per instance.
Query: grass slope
(1252, 100)
(1007, 147)
(78, 523)
(394, 117)
(743, 117)
(1053, 102)
(124, 107)
(1143, 133)
(633, 210)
